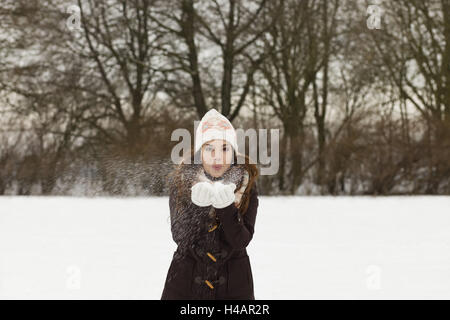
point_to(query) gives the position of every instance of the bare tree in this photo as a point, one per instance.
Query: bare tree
(414, 52)
(224, 33)
(123, 49)
(300, 47)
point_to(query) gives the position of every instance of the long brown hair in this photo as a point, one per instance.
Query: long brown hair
(174, 178)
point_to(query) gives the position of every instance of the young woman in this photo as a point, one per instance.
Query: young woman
(213, 207)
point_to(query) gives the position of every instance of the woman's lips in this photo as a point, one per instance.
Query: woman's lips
(217, 167)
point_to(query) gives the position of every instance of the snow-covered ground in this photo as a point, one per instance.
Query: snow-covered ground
(303, 247)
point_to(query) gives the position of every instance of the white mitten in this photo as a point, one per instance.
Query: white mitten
(223, 195)
(202, 194)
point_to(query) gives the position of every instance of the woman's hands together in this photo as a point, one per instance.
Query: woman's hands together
(217, 194)
(223, 195)
(202, 194)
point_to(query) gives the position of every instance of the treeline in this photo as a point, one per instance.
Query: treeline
(92, 90)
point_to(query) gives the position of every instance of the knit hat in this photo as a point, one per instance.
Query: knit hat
(215, 126)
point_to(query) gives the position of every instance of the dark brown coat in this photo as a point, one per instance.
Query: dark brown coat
(217, 265)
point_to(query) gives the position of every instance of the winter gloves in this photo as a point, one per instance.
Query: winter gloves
(202, 194)
(223, 195)
(218, 195)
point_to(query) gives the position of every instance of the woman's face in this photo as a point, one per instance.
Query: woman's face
(216, 157)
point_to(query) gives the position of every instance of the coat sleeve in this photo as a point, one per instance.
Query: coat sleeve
(185, 227)
(173, 220)
(239, 230)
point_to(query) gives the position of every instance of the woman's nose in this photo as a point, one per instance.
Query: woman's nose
(217, 155)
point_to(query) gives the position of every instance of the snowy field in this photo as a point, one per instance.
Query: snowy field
(303, 248)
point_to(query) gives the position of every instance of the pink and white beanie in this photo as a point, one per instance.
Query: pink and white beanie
(213, 126)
